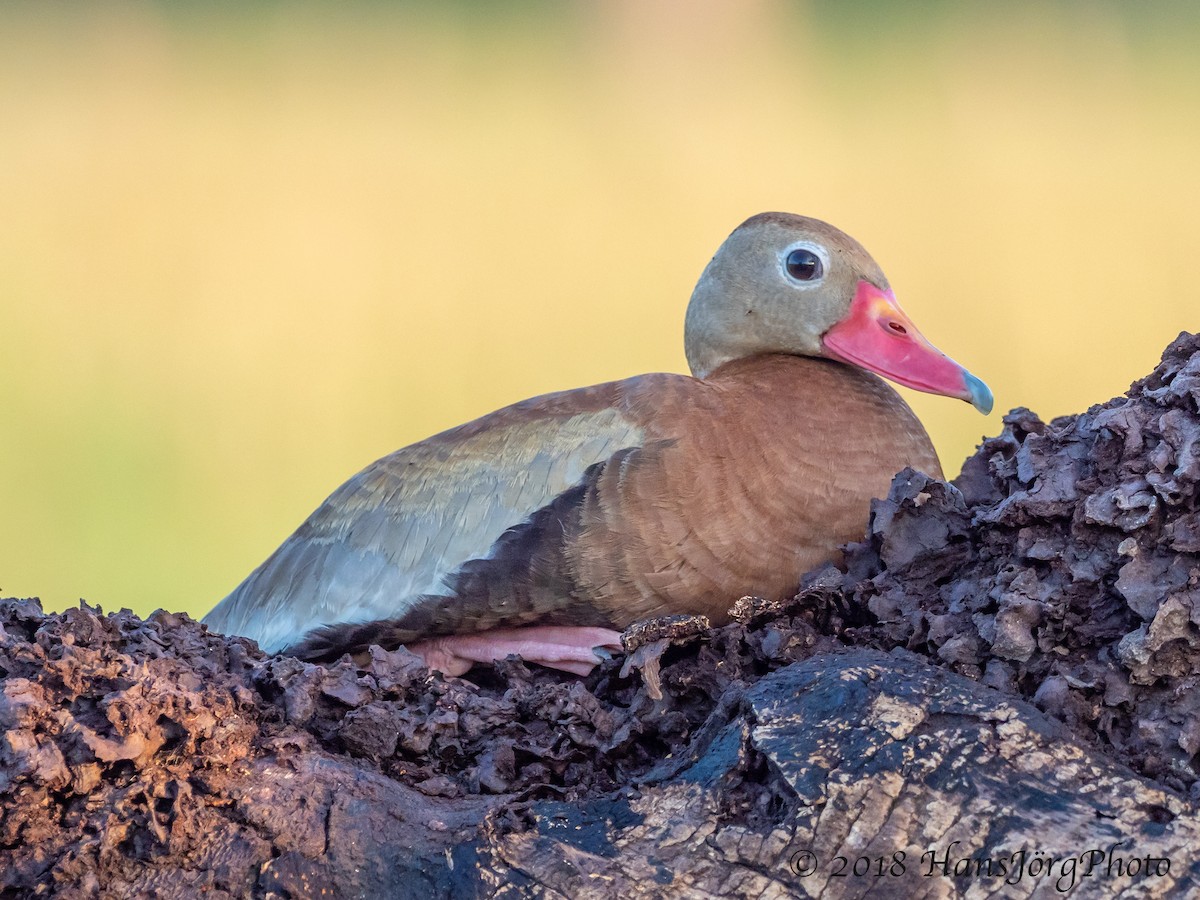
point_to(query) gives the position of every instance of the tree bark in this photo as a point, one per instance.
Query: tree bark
(993, 695)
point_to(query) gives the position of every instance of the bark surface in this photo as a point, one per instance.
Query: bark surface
(994, 695)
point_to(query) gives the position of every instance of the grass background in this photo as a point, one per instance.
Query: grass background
(247, 248)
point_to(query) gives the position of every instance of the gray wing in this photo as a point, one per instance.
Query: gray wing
(400, 528)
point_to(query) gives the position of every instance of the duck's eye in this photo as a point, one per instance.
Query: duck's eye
(804, 265)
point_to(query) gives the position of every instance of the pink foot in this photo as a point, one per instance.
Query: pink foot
(564, 647)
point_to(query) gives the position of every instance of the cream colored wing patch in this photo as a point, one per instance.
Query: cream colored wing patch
(397, 529)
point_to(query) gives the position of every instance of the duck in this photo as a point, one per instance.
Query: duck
(545, 528)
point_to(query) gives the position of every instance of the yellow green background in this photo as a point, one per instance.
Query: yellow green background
(246, 249)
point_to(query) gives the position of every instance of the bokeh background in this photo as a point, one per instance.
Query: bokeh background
(247, 248)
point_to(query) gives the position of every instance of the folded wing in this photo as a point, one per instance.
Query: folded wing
(399, 531)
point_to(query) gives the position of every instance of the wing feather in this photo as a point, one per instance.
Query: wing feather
(395, 531)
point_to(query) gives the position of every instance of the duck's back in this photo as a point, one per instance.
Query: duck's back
(397, 530)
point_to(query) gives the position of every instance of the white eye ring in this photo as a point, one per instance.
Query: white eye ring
(788, 269)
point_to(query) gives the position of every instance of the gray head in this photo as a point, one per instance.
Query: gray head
(783, 283)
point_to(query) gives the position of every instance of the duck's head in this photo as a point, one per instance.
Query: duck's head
(788, 284)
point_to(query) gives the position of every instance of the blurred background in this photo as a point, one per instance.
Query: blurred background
(246, 249)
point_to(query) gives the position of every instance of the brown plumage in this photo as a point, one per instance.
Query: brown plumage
(662, 493)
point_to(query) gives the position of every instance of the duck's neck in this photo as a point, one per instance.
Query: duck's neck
(855, 408)
(807, 378)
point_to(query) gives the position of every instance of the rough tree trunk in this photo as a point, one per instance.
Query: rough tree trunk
(995, 694)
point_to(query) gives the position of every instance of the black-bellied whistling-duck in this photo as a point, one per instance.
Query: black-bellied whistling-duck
(541, 527)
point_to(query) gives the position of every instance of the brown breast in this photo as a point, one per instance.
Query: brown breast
(760, 473)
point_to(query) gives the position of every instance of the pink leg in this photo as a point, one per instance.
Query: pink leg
(564, 647)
